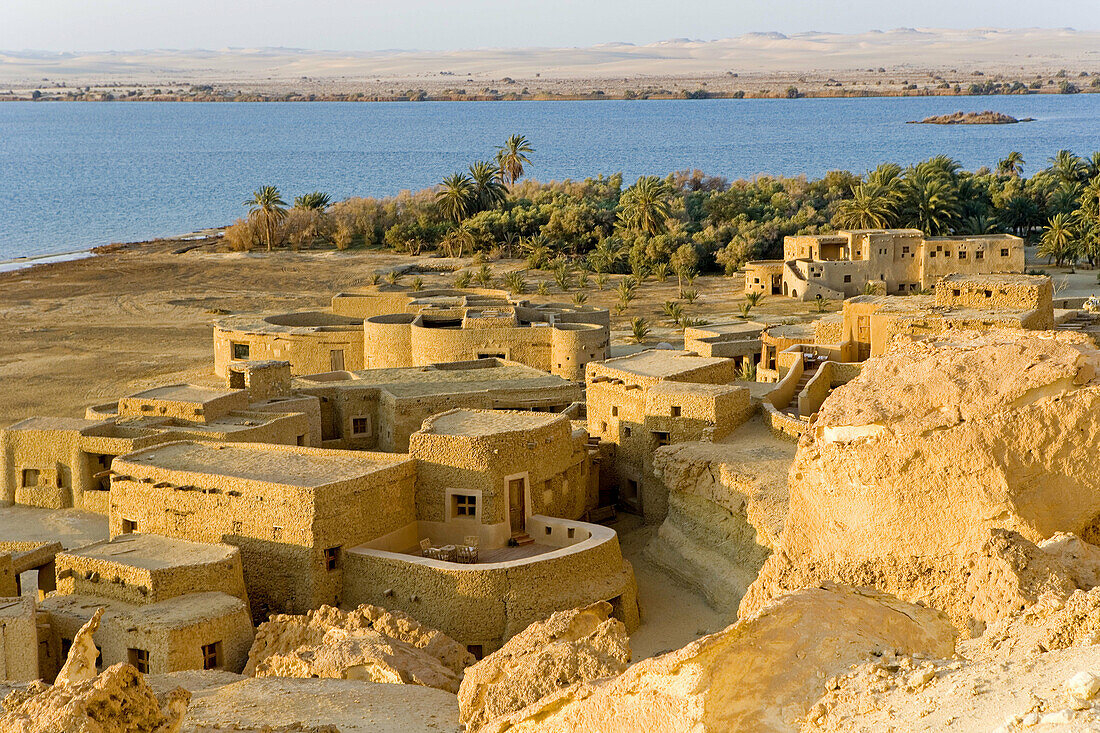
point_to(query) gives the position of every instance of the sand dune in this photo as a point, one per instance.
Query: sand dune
(1016, 50)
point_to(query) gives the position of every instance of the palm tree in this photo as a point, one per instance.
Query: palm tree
(645, 206)
(315, 201)
(489, 191)
(929, 203)
(512, 156)
(458, 196)
(639, 329)
(886, 176)
(1011, 165)
(459, 237)
(268, 206)
(1068, 167)
(871, 207)
(1058, 239)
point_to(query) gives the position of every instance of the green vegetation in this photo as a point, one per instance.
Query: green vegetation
(639, 329)
(687, 222)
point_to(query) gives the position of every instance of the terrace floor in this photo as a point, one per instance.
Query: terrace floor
(502, 554)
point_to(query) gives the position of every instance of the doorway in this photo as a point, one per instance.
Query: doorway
(336, 359)
(517, 494)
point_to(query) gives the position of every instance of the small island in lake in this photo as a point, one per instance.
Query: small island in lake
(987, 117)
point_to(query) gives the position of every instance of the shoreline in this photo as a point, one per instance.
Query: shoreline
(600, 96)
(198, 236)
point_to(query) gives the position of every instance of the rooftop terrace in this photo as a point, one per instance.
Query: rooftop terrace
(659, 363)
(182, 393)
(153, 552)
(487, 422)
(285, 465)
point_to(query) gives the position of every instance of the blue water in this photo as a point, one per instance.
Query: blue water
(76, 175)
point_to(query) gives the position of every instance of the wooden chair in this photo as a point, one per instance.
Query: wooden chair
(425, 546)
(470, 540)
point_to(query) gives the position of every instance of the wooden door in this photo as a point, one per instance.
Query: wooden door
(336, 357)
(516, 509)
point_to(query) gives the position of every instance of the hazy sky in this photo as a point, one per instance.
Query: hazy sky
(447, 24)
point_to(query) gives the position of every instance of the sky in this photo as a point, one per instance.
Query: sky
(368, 25)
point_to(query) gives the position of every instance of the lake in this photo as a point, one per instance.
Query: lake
(77, 175)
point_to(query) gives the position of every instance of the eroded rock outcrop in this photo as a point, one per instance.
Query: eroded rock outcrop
(726, 506)
(935, 473)
(369, 643)
(761, 674)
(81, 701)
(577, 645)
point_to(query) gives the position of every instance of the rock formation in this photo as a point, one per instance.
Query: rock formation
(369, 643)
(80, 664)
(571, 646)
(726, 505)
(934, 473)
(761, 674)
(82, 701)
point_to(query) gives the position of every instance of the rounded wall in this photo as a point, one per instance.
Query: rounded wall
(488, 603)
(386, 341)
(309, 352)
(436, 345)
(573, 345)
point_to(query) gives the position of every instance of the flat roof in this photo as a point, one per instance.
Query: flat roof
(286, 465)
(472, 376)
(1009, 278)
(154, 552)
(186, 609)
(487, 422)
(661, 362)
(182, 393)
(54, 423)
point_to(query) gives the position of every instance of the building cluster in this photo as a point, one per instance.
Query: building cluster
(445, 453)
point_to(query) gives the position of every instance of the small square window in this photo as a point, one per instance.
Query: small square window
(301, 440)
(979, 255)
(614, 411)
(129, 526)
(962, 254)
(675, 411)
(956, 293)
(847, 278)
(139, 658)
(332, 558)
(661, 437)
(548, 529)
(30, 477)
(572, 532)
(212, 655)
(626, 432)
(360, 425)
(1004, 253)
(240, 352)
(463, 505)
(276, 532)
(932, 253)
(905, 250)
(237, 526)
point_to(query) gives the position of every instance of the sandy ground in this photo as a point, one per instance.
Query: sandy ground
(757, 63)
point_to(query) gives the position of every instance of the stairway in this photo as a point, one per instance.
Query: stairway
(808, 371)
(1080, 322)
(522, 538)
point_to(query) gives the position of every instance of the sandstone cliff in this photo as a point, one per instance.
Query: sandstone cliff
(935, 472)
(726, 506)
(761, 674)
(577, 645)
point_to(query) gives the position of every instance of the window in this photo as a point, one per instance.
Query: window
(1004, 253)
(847, 278)
(490, 355)
(614, 411)
(301, 440)
(211, 655)
(240, 352)
(956, 293)
(675, 411)
(129, 526)
(360, 425)
(932, 253)
(988, 293)
(332, 558)
(463, 505)
(30, 477)
(236, 379)
(661, 437)
(626, 432)
(276, 532)
(905, 250)
(140, 659)
(571, 532)
(979, 255)
(237, 527)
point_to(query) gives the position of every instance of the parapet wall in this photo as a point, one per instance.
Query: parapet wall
(488, 603)
(313, 342)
